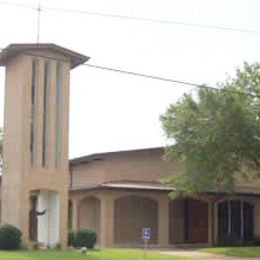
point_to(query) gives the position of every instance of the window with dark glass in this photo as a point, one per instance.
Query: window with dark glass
(235, 222)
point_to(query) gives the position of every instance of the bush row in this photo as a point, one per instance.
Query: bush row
(10, 238)
(81, 238)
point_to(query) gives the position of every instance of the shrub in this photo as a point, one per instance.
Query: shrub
(86, 237)
(257, 241)
(72, 238)
(10, 237)
(57, 246)
(229, 241)
(24, 247)
(35, 246)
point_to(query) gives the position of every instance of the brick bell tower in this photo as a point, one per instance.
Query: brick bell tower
(36, 122)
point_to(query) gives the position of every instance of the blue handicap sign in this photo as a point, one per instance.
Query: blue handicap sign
(146, 234)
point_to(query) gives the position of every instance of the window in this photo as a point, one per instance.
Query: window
(235, 222)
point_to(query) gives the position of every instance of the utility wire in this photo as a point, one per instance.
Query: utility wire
(153, 77)
(138, 18)
(169, 80)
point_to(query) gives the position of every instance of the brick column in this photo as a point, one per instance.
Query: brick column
(215, 218)
(63, 218)
(163, 222)
(256, 217)
(210, 223)
(75, 214)
(107, 221)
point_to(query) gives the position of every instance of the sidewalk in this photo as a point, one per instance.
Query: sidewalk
(200, 255)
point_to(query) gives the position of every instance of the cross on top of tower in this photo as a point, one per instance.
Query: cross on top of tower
(39, 10)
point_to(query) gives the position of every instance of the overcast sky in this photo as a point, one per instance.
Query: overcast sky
(110, 111)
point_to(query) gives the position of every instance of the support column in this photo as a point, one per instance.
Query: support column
(256, 217)
(75, 214)
(107, 222)
(63, 218)
(25, 219)
(163, 222)
(215, 210)
(210, 223)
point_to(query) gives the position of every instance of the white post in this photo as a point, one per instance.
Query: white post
(48, 224)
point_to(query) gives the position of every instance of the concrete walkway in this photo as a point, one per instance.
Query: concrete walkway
(199, 255)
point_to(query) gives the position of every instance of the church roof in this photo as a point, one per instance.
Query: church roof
(13, 50)
(155, 186)
(128, 185)
(102, 156)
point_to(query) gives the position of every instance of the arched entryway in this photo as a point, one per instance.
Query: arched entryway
(89, 217)
(188, 221)
(235, 222)
(132, 213)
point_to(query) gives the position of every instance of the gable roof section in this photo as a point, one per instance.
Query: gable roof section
(153, 186)
(103, 156)
(126, 185)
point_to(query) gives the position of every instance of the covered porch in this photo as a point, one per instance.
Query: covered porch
(118, 212)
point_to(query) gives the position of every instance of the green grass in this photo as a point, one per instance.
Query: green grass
(103, 254)
(234, 251)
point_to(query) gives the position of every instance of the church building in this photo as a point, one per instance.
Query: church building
(117, 193)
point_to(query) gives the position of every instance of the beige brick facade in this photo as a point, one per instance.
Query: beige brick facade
(132, 178)
(27, 90)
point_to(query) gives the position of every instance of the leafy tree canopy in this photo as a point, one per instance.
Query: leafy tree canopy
(216, 134)
(1, 148)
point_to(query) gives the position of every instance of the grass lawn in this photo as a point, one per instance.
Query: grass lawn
(234, 251)
(103, 254)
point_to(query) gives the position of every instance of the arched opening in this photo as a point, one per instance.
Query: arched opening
(132, 214)
(235, 222)
(188, 221)
(44, 217)
(90, 214)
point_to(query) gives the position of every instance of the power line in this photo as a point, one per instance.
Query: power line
(168, 80)
(144, 19)
(16, 4)
(138, 18)
(153, 77)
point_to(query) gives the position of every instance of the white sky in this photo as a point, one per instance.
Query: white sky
(111, 111)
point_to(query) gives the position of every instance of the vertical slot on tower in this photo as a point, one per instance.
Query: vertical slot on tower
(58, 134)
(46, 114)
(34, 97)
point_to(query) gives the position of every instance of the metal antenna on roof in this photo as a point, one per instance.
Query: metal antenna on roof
(39, 9)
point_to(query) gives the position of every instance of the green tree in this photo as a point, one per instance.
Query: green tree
(216, 134)
(1, 148)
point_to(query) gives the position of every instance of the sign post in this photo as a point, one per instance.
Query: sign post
(146, 235)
